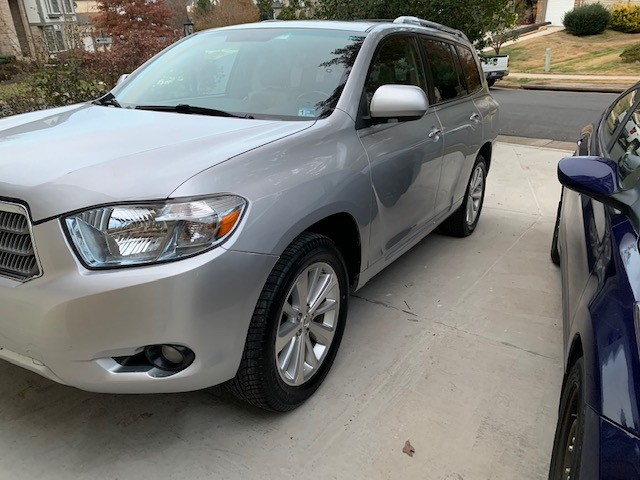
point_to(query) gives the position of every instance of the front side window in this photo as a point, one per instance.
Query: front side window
(447, 84)
(277, 73)
(397, 62)
(469, 69)
(623, 122)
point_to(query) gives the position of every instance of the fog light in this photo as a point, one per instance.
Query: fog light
(171, 358)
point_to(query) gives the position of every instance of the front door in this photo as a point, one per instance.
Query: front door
(405, 157)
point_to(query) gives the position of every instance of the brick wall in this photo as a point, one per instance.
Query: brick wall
(9, 44)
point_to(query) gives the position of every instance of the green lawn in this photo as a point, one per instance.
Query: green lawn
(597, 54)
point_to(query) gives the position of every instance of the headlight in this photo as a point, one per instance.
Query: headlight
(123, 235)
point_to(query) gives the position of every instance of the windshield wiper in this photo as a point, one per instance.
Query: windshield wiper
(190, 109)
(109, 100)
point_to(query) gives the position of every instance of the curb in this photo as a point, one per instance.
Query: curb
(574, 87)
(565, 87)
(537, 142)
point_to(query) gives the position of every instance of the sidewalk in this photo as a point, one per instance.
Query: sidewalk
(531, 35)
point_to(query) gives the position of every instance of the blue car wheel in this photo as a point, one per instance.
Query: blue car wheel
(567, 445)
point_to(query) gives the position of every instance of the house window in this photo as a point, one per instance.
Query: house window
(54, 39)
(55, 6)
(67, 6)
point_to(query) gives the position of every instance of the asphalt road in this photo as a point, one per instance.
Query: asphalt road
(547, 114)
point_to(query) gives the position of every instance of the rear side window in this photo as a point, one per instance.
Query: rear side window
(447, 84)
(397, 62)
(469, 69)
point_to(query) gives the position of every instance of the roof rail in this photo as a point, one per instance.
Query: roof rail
(427, 23)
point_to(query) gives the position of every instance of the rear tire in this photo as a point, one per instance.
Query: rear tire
(567, 444)
(464, 221)
(296, 328)
(491, 82)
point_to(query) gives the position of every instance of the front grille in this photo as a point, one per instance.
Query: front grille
(17, 254)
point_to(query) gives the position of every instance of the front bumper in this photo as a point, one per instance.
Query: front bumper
(69, 324)
(608, 451)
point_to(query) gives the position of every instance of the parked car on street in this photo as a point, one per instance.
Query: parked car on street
(495, 67)
(596, 244)
(205, 222)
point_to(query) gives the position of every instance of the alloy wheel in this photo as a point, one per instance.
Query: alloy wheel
(474, 200)
(308, 323)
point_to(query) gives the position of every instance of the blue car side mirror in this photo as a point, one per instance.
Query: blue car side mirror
(597, 178)
(591, 176)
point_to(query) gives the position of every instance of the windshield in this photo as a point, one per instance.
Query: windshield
(282, 73)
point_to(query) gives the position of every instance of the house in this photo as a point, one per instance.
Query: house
(28, 27)
(553, 10)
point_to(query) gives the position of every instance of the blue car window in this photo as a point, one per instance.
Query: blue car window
(623, 125)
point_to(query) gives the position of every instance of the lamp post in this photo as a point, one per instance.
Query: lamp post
(277, 7)
(188, 27)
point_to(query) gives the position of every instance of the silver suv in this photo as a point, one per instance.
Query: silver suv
(206, 220)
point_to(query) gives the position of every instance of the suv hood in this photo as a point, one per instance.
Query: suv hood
(75, 157)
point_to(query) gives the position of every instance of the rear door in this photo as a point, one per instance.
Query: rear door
(453, 88)
(405, 157)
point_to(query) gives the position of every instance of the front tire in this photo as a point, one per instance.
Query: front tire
(464, 221)
(567, 444)
(296, 328)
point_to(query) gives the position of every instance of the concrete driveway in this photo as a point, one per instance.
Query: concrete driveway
(456, 347)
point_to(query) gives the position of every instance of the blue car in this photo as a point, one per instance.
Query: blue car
(595, 243)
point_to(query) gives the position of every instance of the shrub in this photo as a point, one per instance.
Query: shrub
(587, 20)
(18, 98)
(67, 81)
(631, 54)
(626, 18)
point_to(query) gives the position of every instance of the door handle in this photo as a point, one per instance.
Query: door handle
(435, 134)
(475, 117)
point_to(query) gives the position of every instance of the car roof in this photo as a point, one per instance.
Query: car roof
(363, 26)
(351, 26)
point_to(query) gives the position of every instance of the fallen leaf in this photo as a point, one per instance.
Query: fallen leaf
(408, 449)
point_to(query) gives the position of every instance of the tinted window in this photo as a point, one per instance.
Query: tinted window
(442, 63)
(396, 62)
(624, 123)
(469, 69)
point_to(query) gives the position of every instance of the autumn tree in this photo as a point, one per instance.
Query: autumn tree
(233, 12)
(138, 29)
(224, 12)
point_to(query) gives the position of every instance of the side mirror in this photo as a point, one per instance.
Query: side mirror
(122, 78)
(404, 102)
(597, 178)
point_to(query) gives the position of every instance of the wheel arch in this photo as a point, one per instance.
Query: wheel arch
(486, 151)
(343, 230)
(575, 352)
